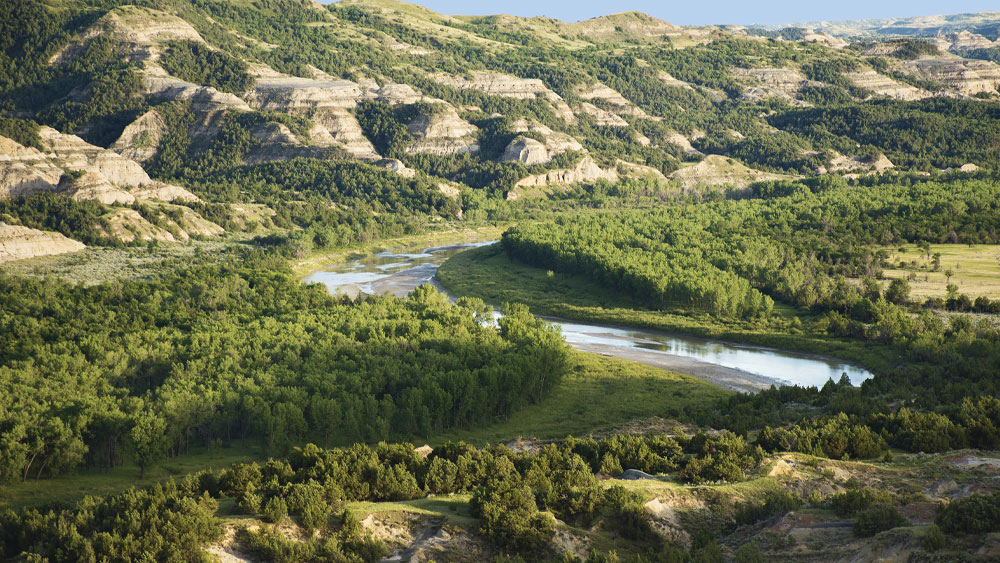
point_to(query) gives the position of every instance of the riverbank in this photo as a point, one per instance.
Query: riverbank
(488, 273)
(317, 259)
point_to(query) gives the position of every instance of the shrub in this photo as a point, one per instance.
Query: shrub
(877, 519)
(934, 538)
(974, 514)
(275, 510)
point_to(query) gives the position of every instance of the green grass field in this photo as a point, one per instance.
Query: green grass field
(71, 488)
(490, 274)
(975, 269)
(599, 393)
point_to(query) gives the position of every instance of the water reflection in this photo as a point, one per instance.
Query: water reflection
(398, 272)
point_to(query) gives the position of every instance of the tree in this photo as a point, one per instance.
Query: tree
(898, 291)
(147, 440)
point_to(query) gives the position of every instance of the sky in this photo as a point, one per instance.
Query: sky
(703, 12)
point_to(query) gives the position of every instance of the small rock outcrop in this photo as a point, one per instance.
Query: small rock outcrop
(179, 223)
(585, 171)
(75, 154)
(397, 166)
(683, 142)
(25, 170)
(140, 138)
(635, 474)
(202, 98)
(442, 133)
(18, 242)
(94, 186)
(338, 127)
(841, 163)
(164, 192)
(601, 117)
(611, 97)
(293, 93)
(128, 225)
(767, 83)
(509, 87)
(716, 170)
(525, 150)
(965, 76)
(555, 142)
(884, 86)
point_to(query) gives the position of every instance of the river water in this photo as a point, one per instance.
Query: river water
(735, 366)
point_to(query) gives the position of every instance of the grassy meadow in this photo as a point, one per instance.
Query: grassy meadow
(975, 269)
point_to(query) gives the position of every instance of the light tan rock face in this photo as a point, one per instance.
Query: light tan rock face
(634, 25)
(525, 150)
(841, 163)
(834, 42)
(274, 133)
(338, 127)
(145, 26)
(181, 223)
(716, 170)
(641, 171)
(884, 86)
(493, 84)
(140, 30)
(140, 138)
(18, 243)
(185, 222)
(671, 81)
(509, 87)
(443, 133)
(395, 93)
(612, 98)
(585, 171)
(25, 170)
(555, 142)
(964, 40)
(164, 192)
(293, 93)
(767, 83)
(128, 225)
(75, 154)
(397, 166)
(452, 191)
(962, 75)
(94, 186)
(201, 98)
(600, 116)
(683, 142)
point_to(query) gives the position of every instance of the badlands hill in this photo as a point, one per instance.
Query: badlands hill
(166, 119)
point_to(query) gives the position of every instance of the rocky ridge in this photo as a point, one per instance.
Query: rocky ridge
(18, 242)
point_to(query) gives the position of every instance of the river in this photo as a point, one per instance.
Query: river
(734, 366)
